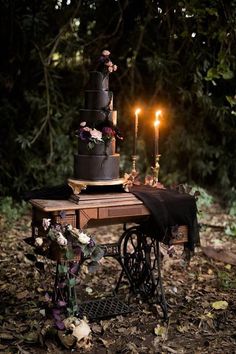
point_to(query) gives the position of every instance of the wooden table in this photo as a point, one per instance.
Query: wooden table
(137, 253)
(90, 210)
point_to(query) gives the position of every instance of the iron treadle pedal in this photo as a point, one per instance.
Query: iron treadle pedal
(103, 308)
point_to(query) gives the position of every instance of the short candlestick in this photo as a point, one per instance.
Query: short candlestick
(156, 169)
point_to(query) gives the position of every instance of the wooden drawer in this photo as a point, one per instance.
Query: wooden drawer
(124, 211)
(63, 217)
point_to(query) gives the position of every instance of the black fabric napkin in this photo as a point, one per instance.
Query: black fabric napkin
(168, 209)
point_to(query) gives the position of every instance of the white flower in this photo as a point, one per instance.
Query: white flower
(114, 67)
(83, 238)
(109, 63)
(69, 227)
(46, 223)
(96, 134)
(38, 241)
(110, 69)
(83, 124)
(87, 129)
(61, 240)
(106, 53)
(82, 330)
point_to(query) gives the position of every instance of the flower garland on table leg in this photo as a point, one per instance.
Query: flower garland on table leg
(68, 246)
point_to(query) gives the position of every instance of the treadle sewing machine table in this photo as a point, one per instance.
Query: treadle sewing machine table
(138, 254)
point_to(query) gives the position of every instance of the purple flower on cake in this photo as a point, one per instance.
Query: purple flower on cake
(105, 65)
(85, 134)
(108, 132)
(92, 136)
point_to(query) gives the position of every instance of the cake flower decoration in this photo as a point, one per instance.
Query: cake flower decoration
(105, 65)
(93, 136)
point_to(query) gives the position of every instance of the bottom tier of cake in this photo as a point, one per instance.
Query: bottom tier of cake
(96, 168)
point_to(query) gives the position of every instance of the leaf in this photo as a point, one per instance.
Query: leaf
(2, 347)
(220, 305)
(228, 266)
(69, 254)
(88, 290)
(227, 75)
(21, 295)
(6, 335)
(42, 312)
(67, 340)
(74, 269)
(97, 254)
(72, 282)
(210, 315)
(62, 269)
(31, 337)
(160, 331)
(93, 266)
(183, 329)
(107, 342)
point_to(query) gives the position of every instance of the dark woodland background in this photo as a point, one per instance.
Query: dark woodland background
(175, 55)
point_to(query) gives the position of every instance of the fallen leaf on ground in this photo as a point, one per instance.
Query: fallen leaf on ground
(160, 331)
(220, 305)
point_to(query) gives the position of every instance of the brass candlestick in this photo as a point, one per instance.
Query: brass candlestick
(156, 169)
(134, 159)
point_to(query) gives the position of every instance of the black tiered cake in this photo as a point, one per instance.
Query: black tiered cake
(97, 159)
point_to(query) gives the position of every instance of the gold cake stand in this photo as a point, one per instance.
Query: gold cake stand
(78, 185)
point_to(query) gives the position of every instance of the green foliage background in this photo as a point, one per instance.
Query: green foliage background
(176, 55)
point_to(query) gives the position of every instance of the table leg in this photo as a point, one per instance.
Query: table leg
(141, 262)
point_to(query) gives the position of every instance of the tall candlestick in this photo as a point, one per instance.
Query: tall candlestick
(135, 131)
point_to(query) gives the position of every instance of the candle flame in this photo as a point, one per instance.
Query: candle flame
(158, 113)
(157, 122)
(137, 111)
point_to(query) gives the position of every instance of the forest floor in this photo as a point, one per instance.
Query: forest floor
(201, 297)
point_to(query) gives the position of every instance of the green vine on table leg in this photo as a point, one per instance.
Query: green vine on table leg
(68, 246)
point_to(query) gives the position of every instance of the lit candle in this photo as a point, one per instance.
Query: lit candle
(138, 110)
(156, 125)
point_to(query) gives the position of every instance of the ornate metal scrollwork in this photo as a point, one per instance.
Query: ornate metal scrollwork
(140, 258)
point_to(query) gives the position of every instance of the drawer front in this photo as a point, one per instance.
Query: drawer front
(122, 211)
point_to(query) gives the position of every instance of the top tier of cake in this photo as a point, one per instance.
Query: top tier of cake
(98, 101)
(97, 81)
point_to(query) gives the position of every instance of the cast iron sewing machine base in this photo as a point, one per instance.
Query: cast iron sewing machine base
(139, 257)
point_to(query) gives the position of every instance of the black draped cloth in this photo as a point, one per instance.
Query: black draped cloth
(169, 208)
(62, 191)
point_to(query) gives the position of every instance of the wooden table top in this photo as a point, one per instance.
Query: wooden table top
(87, 201)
